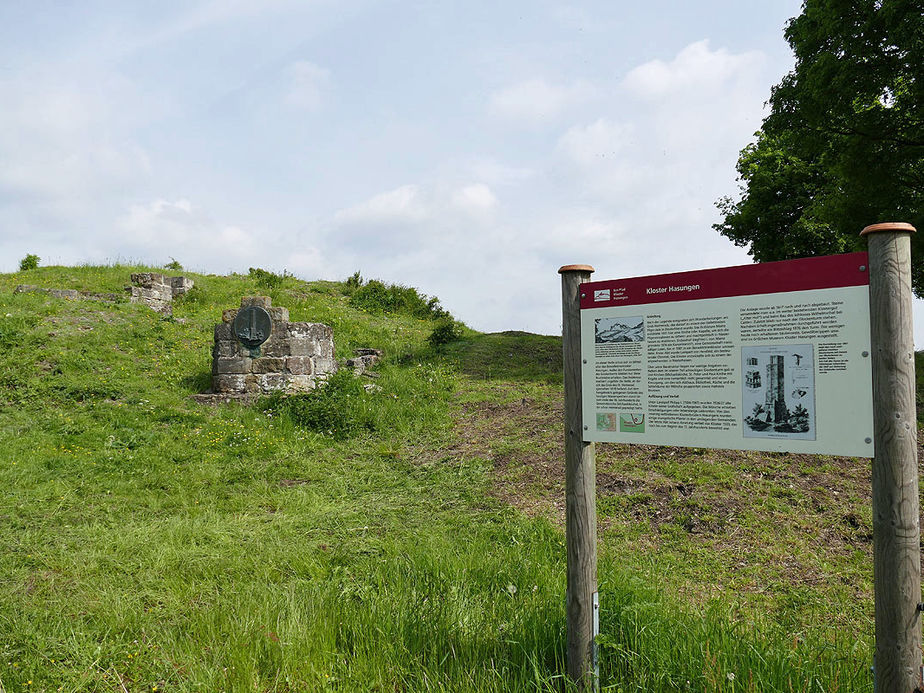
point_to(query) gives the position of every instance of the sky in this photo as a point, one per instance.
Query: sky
(468, 149)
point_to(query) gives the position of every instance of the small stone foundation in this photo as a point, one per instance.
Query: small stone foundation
(364, 360)
(293, 359)
(69, 294)
(157, 291)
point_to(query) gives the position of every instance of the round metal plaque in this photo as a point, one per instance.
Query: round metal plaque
(252, 326)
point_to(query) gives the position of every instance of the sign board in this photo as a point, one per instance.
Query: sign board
(772, 356)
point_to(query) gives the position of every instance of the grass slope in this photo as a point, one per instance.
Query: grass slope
(150, 543)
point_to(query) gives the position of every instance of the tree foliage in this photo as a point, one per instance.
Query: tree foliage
(843, 145)
(29, 262)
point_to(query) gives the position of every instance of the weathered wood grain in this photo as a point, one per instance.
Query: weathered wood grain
(896, 530)
(580, 493)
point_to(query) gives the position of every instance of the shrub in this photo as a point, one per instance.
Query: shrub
(436, 310)
(29, 262)
(339, 408)
(174, 265)
(377, 297)
(194, 295)
(445, 332)
(267, 279)
(374, 297)
(353, 282)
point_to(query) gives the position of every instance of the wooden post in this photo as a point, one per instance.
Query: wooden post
(580, 494)
(896, 530)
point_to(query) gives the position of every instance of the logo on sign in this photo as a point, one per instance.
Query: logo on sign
(601, 295)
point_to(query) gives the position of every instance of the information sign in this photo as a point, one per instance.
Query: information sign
(771, 356)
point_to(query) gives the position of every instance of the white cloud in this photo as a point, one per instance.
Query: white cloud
(674, 143)
(637, 179)
(577, 231)
(436, 235)
(493, 172)
(590, 144)
(475, 199)
(411, 205)
(177, 228)
(401, 205)
(307, 85)
(306, 261)
(170, 224)
(693, 69)
(537, 102)
(62, 139)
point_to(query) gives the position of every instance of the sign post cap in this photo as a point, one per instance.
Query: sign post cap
(575, 268)
(888, 226)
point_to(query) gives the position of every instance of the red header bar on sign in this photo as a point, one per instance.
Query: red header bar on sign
(806, 274)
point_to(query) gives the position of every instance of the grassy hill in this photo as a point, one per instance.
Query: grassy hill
(413, 543)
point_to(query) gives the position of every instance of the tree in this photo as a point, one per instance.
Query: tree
(29, 262)
(800, 419)
(843, 145)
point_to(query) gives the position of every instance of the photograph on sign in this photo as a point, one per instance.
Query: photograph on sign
(778, 396)
(758, 357)
(609, 330)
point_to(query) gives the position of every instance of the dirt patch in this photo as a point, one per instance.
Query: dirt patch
(805, 519)
(659, 503)
(521, 439)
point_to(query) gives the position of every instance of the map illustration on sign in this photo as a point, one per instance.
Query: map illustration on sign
(632, 423)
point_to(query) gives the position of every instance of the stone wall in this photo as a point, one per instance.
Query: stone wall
(69, 294)
(295, 357)
(157, 291)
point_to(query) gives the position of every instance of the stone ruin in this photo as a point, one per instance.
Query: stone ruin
(157, 291)
(151, 289)
(69, 294)
(294, 358)
(364, 359)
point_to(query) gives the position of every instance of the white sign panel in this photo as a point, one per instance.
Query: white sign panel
(773, 356)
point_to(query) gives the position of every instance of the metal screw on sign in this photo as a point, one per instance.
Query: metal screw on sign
(862, 268)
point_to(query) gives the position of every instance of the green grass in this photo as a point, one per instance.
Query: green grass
(147, 542)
